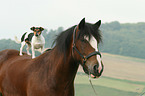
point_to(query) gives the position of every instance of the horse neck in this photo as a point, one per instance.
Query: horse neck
(60, 67)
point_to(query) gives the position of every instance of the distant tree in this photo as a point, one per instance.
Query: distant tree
(60, 29)
(122, 39)
(8, 44)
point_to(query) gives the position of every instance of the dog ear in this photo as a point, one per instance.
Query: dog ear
(32, 28)
(41, 28)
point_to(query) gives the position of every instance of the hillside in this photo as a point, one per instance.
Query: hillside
(123, 76)
(122, 67)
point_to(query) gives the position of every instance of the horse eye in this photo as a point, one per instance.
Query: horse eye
(83, 40)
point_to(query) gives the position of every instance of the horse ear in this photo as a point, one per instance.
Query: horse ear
(41, 28)
(32, 28)
(82, 24)
(97, 24)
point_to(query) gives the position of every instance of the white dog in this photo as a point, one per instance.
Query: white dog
(33, 40)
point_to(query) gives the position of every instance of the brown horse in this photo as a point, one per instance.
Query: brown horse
(53, 72)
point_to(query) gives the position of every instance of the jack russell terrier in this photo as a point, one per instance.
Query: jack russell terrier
(33, 40)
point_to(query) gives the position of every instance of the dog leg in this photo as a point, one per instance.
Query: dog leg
(28, 48)
(21, 49)
(33, 52)
(42, 49)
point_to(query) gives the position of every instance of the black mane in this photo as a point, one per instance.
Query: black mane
(64, 39)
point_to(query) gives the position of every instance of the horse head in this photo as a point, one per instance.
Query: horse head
(86, 38)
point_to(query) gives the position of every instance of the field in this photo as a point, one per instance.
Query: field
(123, 76)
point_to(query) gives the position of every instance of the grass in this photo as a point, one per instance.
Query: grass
(106, 86)
(85, 90)
(122, 76)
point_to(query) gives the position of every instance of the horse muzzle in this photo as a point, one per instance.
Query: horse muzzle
(95, 71)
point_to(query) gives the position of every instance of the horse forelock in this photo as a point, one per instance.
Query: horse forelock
(89, 31)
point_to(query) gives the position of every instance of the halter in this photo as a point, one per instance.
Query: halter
(85, 58)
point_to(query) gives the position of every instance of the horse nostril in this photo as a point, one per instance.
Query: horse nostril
(96, 68)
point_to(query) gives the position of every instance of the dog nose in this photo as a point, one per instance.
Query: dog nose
(36, 34)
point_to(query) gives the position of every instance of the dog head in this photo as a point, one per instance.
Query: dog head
(37, 30)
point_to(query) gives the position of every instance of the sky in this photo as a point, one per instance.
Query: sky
(18, 16)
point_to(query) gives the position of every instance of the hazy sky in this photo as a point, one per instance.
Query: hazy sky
(17, 16)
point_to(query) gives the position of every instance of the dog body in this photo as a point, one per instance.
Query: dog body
(37, 43)
(33, 40)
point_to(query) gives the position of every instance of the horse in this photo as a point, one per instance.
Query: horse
(53, 72)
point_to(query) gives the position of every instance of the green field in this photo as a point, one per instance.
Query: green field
(123, 76)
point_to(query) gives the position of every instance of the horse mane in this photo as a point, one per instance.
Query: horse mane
(64, 39)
